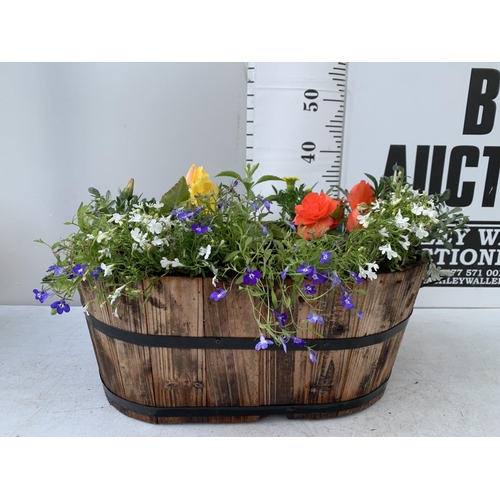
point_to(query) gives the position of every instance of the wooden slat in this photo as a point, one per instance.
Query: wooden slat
(232, 376)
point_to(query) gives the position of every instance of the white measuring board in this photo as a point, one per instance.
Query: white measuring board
(295, 121)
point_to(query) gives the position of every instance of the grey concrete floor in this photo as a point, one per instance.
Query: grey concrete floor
(446, 382)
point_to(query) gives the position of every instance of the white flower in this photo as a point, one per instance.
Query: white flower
(363, 220)
(106, 252)
(367, 273)
(384, 232)
(85, 307)
(417, 209)
(155, 227)
(166, 221)
(420, 232)
(167, 263)
(205, 251)
(400, 221)
(115, 313)
(135, 217)
(157, 242)
(388, 251)
(157, 205)
(116, 218)
(139, 236)
(107, 269)
(405, 243)
(102, 236)
(116, 294)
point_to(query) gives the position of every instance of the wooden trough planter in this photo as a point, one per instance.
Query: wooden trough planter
(186, 358)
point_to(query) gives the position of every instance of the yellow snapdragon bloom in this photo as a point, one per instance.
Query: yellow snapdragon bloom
(199, 183)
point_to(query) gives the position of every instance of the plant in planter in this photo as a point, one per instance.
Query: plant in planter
(286, 278)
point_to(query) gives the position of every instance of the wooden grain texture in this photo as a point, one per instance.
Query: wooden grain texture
(194, 378)
(232, 376)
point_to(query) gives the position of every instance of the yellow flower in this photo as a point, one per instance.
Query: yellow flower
(199, 183)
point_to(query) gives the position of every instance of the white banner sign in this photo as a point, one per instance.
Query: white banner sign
(439, 121)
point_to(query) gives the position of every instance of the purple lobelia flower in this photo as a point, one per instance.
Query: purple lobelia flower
(297, 341)
(359, 314)
(334, 279)
(283, 273)
(58, 270)
(281, 317)
(79, 270)
(198, 228)
(325, 257)
(263, 343)
(312, 356)
(219, 294)
(304, 269)
(60, 306)
(346, 300)
(251, 277)
(309, 289)
(315, 277)
(356, 277)
(42, 295)
(314, 318)
(96, 271)
(284, 340)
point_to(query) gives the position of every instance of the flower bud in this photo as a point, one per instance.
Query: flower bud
(129, 188)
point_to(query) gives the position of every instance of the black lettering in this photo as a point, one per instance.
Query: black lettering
(491, 184)
(437, 169)
(421, 162)
(471, 155)
(476, 101)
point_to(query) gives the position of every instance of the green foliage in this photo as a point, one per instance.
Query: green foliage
(123, 240)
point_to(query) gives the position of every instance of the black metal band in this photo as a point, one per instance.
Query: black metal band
(178, 342)
(239, 411)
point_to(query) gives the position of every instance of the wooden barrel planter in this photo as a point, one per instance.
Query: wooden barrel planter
(186, 358)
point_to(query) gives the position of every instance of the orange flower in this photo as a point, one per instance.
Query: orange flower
(314, 215)
(361, 193)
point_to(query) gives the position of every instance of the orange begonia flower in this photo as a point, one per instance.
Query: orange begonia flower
(314, 215)
(361, 193)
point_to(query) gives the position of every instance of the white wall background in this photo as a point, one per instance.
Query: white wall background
(67, 126)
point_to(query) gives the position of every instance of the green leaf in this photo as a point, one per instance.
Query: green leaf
(266, 178)
(94, 191)
(229, 173)
(175, 196)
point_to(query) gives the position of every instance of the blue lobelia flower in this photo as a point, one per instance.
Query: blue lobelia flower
(309, 289)
(251, 277)
(283, 273)
(198, 228)
(58, 270)
(312, 356)
(346, 300)
(80, 269)
(356, 277)
(60, 306)
(219, 294)
(42, 295)
(359, 314)
(297, 341)
(334, 279)
(325, 257)
(314, 318)
(304, 269)
(315, 277)
(263, 343)
(284, 340)
(264, 229)
(281, 317)
(293, 227)
(96, 271)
